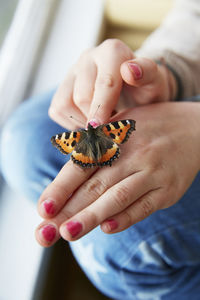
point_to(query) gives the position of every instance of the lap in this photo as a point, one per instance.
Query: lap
(157, 258)
(28, 160)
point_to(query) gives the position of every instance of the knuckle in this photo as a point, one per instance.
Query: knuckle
(91, 218)
(128, 219)
(80, 99)
(115, 47)
(57, 107)
(121, 197)
(105, 81)
(113, 44)
(53, 112)
(65, 215)
(147, 206)
(95, 187)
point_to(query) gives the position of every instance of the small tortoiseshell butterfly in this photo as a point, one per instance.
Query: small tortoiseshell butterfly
(94, 146)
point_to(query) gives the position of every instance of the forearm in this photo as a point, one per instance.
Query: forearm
(178, 41)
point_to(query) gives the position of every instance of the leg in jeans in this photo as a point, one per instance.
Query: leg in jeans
(158, 258)
(28, 160)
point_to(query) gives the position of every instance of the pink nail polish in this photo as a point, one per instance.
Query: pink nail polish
(74, 228)
(113, 224)
(49, 206)
(94, 123)
(136, 70)
(48, 232)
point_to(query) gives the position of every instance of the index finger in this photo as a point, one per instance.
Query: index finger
(62, 187)
(108, 85)
(107, 90)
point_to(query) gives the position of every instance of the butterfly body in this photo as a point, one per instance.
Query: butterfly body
(94, 146)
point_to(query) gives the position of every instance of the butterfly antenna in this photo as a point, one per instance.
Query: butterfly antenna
(96, 110)
(71, 117)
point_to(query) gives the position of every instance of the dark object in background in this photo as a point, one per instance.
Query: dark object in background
(61, 278)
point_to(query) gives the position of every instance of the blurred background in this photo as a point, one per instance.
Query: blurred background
(39, 41)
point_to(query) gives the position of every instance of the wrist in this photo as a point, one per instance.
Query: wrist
(175, 89)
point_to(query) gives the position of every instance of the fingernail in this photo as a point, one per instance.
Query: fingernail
(49, 206)
(136, 70)
(113, 224)
(94, 123)
(74, 228)
(48, 232)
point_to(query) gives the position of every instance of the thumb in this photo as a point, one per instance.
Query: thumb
(139, 71)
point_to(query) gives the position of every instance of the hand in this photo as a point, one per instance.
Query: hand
(156, 167)
(100, 76)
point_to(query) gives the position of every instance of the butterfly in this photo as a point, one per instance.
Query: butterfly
(94, 146)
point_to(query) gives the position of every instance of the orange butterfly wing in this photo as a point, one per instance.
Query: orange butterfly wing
(119, 131)
(66, 141)
(110, 155)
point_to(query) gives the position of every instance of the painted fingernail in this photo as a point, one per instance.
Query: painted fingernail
(49, 206)
(48, 232)
(113, 224)
(94, 123)
(136, 70)
(74, 228)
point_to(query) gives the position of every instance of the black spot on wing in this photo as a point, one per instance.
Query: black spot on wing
(108, 127)
(73, 143)
(74, 134)
(116, 125)
(58, 135)
(132, 127)
(124, 122)
(112, 135)
(67, 134)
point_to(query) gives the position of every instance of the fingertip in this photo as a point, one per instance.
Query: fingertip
(109, 226)
(94, 123)
(99, 117)
(71, 231)
(46, 234)
(47, 208)
(131, 72)
(139, 71)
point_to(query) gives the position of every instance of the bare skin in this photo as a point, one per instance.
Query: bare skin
(157, 164)
(100, 76)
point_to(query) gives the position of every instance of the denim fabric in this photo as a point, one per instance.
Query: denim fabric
(158, 258)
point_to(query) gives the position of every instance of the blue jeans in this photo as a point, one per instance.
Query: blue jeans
(158, 258)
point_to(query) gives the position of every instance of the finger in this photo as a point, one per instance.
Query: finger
(114, 200)
(88, 192)
(62, 106)
(136, 212)
(108, 82)
(59, 191)
(84, 85)
(139, 71)
(106, 93)
(47, 234)
(98, 184)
